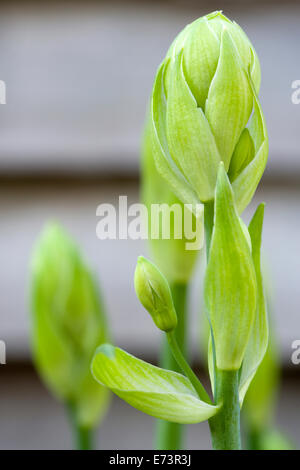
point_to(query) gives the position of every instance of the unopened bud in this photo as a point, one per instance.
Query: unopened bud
(205, 109)
(68, 323)
(153, 291)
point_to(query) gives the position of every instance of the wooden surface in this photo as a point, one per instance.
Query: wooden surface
(25, 208)
(32, 419)
(78, 80)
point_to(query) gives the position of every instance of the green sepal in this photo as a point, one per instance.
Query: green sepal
(230, 281)
(163, 161)
(247, 53)
(160, 393)
(200, 59)
(230, 99)
(244, 186)
(190, 139)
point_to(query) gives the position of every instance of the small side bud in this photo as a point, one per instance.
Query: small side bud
(153, 291)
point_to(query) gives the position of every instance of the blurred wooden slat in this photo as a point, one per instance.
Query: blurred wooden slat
(78, 81)
(26, 405)
(25, 209)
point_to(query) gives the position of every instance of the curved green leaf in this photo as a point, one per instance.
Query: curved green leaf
(157, 392)
(258, 341)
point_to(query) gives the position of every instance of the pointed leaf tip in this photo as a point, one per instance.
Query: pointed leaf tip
(107, 349)
(258, 219)
(223, 190)
(221, 170)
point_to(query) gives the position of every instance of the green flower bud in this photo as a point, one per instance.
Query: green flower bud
(67, 324)
(153, 291)
(204, 94)
(230, 287)
(172, 255)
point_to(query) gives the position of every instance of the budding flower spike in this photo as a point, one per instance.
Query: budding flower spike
(68, 323)
(204, 109)
(207, 136)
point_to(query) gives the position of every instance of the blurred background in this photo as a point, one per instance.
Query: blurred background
(78, 77)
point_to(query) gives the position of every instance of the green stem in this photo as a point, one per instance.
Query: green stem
(225, 426)
(169, 436)
(186, 368)
(82, 435)
(253, 439)
(83, 438)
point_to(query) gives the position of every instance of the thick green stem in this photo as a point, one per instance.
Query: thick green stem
(169, 436)
(254, 438)
(225, 426)
(82, 436)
